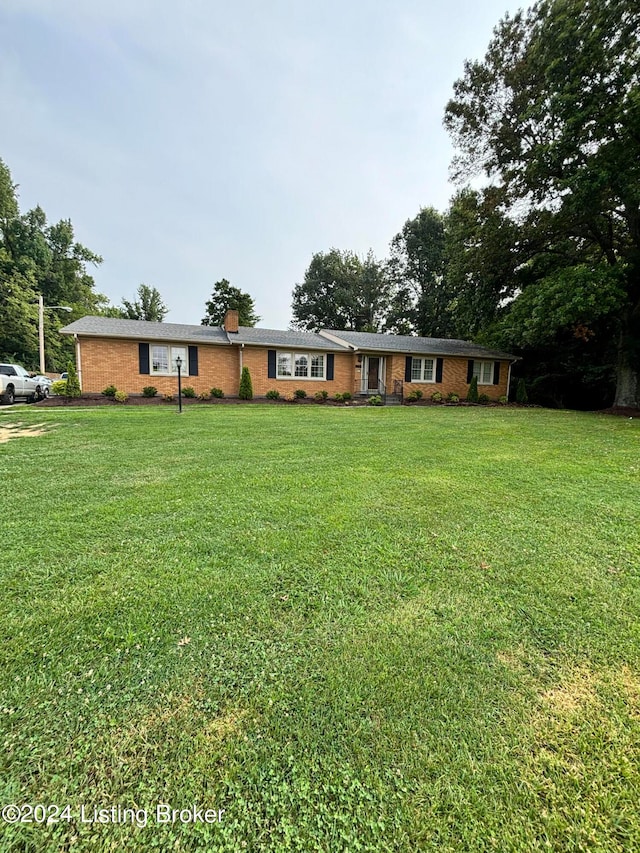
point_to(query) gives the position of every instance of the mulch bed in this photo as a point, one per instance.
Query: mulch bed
(139, 400)
(101, 400)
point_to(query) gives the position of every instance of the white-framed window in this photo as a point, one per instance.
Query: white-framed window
(285, 361)
(423, 370)
(317, 367)
(163, 360)
(483, 371)
(300, 365)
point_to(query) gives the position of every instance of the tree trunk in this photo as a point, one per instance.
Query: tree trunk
(627, 385)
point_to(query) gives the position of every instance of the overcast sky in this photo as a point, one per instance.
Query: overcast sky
(200, 140)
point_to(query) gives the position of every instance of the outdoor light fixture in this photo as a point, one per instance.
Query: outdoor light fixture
(41, 307)
(179, 365)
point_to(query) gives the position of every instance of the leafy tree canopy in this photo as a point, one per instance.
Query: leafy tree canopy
(148, 306)
(421, 302)
(39, 258)
(225, 297)
(341, 291)
(552, 116)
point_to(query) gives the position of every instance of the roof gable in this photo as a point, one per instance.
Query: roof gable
(411, 344)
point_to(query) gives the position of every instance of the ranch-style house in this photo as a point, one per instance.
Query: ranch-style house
(132, 354)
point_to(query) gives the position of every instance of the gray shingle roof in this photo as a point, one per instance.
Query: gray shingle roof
(284, 338)
(109, 327)
(413, 345)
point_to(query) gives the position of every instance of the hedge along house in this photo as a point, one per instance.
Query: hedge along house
(133, 354)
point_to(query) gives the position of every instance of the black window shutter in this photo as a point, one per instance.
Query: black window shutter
(330, 366)
(193, 361)
(407, 369)
(469, 371)
(439, 365)
(496, 372)
(143, 358)
(271, 364)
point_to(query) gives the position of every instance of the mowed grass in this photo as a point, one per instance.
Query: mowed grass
(351, 629)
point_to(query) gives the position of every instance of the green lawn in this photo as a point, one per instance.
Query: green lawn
(351, 629)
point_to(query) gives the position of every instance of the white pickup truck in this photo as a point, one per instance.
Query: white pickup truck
(15, 383)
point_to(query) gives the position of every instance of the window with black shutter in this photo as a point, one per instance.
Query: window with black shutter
(143, 359)
(193, 361)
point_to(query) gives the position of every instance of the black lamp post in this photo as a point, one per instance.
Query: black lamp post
(179, 365)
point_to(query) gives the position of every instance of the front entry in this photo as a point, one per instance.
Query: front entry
(372, 374)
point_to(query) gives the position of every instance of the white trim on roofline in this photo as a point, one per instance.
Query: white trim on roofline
(134, 338)
(337, 340)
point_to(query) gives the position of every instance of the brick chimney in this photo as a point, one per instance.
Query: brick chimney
(231, 320)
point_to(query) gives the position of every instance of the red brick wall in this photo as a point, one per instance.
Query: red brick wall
(454, 378)
(255, 358)
(107, 361)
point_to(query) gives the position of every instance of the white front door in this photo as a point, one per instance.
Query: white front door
(372, 380)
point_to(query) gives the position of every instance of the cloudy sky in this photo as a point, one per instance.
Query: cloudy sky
(193, 141)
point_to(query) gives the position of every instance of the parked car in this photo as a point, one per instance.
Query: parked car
(16, 383)
(64, 375)
(45, 384)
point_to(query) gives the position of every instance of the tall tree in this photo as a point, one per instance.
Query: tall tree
(484, 251)
(148, 306)
(422, 299)
(225, 297)
(37, 258)
(552, 116)
(341, 291)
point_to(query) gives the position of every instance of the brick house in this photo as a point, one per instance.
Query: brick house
(132, 354)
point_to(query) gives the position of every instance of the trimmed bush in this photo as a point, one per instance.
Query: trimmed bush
(503, 400)
(346, 396)
(299, 394)
(148, 391)
(321, 396)
(189, 392)
(120, 397)
(413, 396)
(205, 395)
(452, 398)
(59, 387)
(272, 394)
(437, 397)
(472, 394)
(246, 388)
(110, 391)
(484, 398)
(375, 400)
(168, 398)
(73, 384)
(521, 392)
(217, 393)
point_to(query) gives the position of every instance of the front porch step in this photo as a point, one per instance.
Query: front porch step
(393, 401)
